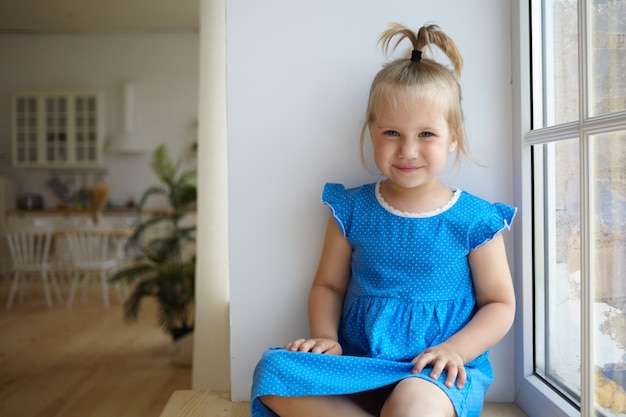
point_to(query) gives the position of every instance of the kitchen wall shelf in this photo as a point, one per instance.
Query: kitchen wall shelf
(57, 128)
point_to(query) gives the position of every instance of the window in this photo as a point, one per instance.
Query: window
(578, 148)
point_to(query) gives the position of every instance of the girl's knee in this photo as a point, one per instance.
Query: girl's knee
(269, 400)
(279, 405)
(415, 397)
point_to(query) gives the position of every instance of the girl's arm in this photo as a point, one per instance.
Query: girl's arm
(326, 295)
(495, 301)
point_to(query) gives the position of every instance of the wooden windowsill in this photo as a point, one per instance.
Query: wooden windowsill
(189, 403)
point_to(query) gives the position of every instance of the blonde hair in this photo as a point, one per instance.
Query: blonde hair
(419, 78)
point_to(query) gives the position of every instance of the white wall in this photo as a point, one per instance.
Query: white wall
(163, 67)
(298, 76)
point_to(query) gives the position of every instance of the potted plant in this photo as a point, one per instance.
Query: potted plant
(165, 265)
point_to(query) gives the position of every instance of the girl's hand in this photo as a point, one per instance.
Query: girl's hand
(442, 358)
(315, 345)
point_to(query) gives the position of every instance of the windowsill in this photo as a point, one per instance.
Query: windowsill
(537, 399)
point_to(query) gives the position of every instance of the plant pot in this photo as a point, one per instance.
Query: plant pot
(180, 332)
(183, 350)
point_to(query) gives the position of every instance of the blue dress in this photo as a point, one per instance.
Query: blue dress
(410, 289)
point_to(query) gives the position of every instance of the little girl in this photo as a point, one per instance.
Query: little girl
(413, 285)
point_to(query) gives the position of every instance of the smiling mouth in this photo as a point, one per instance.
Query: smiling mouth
(407, 168)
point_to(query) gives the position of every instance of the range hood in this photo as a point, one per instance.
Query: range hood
(126, 141)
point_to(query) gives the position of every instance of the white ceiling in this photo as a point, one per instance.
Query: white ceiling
(72, 16)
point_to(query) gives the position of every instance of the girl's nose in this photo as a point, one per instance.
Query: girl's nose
(409, 149)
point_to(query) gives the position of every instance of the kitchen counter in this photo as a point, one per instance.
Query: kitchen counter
(60, 217)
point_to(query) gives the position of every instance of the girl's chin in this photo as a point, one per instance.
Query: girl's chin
(409, 183)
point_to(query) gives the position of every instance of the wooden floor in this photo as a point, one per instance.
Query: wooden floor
(87, 361)
(83, 362)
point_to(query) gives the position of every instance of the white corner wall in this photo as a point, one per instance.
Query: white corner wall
(298, 76)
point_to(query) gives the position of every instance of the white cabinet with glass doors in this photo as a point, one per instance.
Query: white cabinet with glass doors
(57, 129)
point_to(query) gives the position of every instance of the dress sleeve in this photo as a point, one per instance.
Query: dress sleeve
(497, 217)
(336, 197)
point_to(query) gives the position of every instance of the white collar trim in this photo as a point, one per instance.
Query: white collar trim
(455, 196)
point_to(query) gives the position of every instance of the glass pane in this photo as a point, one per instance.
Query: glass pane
(561, 62)
(608, 56)
(609, 270)
(557, 274)
(26, 129)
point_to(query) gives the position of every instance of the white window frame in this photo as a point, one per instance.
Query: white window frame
(534, 396)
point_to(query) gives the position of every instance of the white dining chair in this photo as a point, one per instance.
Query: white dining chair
(119, 241)
(30, 252)
(61, 256)
(92, 258)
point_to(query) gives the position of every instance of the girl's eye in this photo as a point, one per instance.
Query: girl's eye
(391, 133)
(426, 134)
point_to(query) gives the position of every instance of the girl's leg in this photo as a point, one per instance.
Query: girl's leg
(313, 406)
(415, 397)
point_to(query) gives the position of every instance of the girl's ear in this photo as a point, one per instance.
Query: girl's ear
(452, 145)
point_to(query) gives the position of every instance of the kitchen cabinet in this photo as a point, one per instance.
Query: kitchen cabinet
(57, 129)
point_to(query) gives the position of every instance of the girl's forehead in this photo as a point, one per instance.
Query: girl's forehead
(398, 95)
(410, 100)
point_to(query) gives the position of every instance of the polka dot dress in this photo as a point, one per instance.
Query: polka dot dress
(411, 288)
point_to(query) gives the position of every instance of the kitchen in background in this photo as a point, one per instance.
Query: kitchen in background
(85, 78)
(62, 68)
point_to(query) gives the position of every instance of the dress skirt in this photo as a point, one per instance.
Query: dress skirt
(292, 374)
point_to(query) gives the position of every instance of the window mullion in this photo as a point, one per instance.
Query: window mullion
(587, 312)
(605, 123)
(552, 134)
(586, 282)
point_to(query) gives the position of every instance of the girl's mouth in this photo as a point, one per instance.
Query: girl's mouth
(407, 168)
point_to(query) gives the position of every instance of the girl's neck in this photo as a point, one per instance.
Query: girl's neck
(425, 198)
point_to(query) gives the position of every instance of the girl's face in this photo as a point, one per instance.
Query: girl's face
(412, 141)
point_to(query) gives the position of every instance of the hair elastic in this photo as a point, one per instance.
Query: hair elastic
(416, 56)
